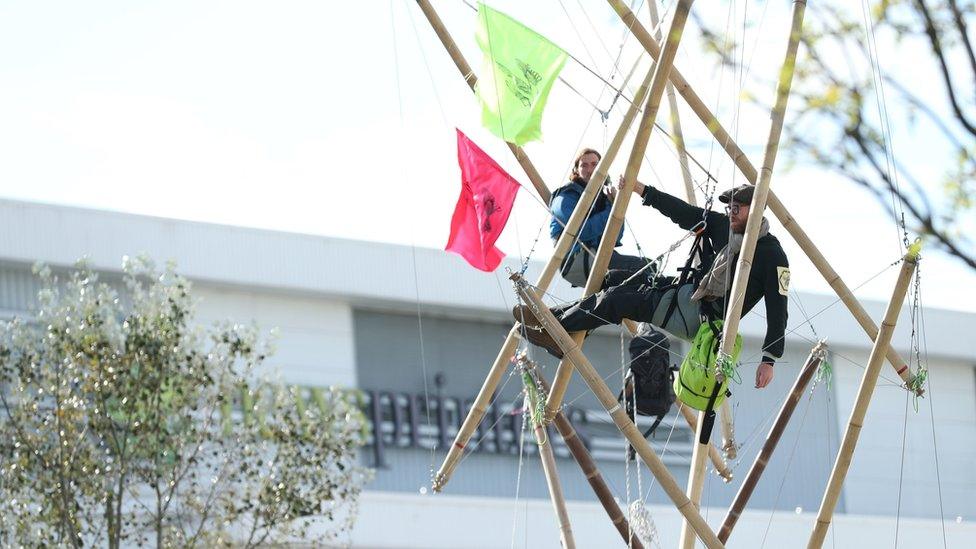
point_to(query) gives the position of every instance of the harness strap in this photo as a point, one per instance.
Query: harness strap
(689, 271)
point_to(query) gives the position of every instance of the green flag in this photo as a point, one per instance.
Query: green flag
(519, 68)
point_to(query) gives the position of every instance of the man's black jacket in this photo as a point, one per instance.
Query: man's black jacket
(770, 275)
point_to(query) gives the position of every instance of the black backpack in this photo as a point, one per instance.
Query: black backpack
(650, 371)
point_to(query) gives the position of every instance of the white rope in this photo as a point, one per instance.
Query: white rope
(789, 462)
(518, 478)
(416, 277)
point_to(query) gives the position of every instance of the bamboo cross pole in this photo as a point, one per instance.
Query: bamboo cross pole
(742, 162)
(837, 283)
(676, 135)
(610, 233)
(547, 457)
(563, 245)
(733, 314)
(864, 393)
(617, 413)
(721, 468)
(582, 456)
(472, 80)
(817, 355)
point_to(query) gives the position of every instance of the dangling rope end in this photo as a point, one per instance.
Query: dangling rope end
(825, 371)
(536, 398)
(916, 383)
(725, 368)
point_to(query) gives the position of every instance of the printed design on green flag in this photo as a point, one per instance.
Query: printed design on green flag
(519, 69)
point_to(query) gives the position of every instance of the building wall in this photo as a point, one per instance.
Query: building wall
(313, 336)
(893, 427)
(395, 520)
(324, 341)
(390, 358)
(358, 325)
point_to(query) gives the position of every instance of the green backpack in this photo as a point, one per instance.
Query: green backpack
(695, 385)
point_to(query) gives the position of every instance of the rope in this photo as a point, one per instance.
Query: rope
(726, 367)
(935, 443)
(881, 100)
(627, 446)
(901, 469)
(825, 373)
(533, 395)
(789, 462)
(413, 251)
(916, 382)
(518, 480)
(423, 55)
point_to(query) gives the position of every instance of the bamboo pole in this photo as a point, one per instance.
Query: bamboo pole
(817, 355)
(563, 245)
(610, 233)
(733, 314)
(676, 134)
(548, 459)
(864, 393)
(471, 79)
(617, 413)
(582, 456)
(721, 468)
(725, 140)
(696, 478)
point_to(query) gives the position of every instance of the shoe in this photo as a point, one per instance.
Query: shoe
(532, 329)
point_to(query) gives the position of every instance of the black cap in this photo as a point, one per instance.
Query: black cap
(741, 194)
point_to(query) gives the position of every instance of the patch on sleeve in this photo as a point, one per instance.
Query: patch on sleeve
(783, 276)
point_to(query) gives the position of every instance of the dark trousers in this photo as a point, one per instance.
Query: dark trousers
(641, 302)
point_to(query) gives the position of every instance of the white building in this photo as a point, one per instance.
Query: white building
(402, 323)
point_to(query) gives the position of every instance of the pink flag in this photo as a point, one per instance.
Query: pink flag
(487, 195)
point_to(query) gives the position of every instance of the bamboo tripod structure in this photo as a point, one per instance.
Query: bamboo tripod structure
(868, 382)
(609, 240)
(547, 458)
(616, 411)
(570, 232)
(730, 329)
(714, 126)
(738, 157)
(817, 355)
(479, 408)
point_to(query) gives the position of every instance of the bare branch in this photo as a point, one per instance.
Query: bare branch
(960, 22)
(936, 44)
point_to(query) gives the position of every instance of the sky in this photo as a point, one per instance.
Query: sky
(338, 120)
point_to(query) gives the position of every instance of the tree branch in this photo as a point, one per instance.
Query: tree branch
(936, 44)
(964, 33)
(926, 221)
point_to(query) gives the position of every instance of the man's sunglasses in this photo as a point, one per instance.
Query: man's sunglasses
(733, 209)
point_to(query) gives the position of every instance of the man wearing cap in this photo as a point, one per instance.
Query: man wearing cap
(702, 298)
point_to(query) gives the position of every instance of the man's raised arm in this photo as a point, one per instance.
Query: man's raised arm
(682, 213)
